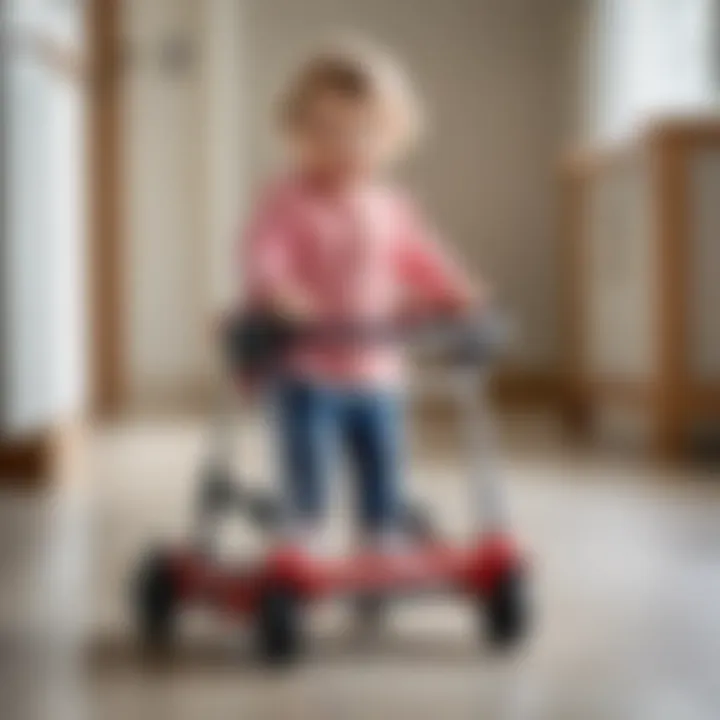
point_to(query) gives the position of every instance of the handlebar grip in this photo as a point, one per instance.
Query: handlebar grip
(256, 342)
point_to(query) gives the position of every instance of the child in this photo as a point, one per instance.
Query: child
(331, 242)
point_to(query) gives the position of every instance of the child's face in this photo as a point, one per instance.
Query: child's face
(340, 138)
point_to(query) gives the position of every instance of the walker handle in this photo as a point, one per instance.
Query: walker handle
(259, 341)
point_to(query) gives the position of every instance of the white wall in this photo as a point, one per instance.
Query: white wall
(495, 79)
(43, 288)
(649, 57)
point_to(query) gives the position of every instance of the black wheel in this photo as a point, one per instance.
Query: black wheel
(507, 610)
(280, 631)
(156, 603)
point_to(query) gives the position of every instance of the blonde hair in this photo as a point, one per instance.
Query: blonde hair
(362, 72)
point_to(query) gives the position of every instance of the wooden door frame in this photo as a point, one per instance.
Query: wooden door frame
(104, 43)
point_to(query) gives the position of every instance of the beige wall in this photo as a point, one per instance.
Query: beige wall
(495, 78)
(704, 289)
(182, 170)
(163, 203)
(620, 288)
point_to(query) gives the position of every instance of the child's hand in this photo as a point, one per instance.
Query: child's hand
(293, 304)
(462, 301)
(248, 386)
(470, 299)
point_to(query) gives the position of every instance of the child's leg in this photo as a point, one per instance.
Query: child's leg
(305, 424)
(374, 433)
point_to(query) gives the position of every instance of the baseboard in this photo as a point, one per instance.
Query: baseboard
(25, 462)
(38, 461)
(192, 398)
(520, 388)
(514, 389)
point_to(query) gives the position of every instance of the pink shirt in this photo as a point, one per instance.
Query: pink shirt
(358, 256)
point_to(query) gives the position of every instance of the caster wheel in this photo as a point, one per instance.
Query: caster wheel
(279, 627)
(156, 603)
(507, 610)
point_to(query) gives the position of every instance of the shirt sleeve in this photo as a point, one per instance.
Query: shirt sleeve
(427, 268)
(265, 252)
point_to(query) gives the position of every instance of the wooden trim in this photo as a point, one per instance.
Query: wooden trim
(511, 389)
(107, 378)
(623, 391)
(585, 162)
(23, 462)
(690, 129)
(35, 462)
(572, 311)
(43, 459)
(195, 398)
(528, 388)
(670, 183)
(703, 399)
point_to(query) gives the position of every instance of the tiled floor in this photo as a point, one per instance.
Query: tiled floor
(626, 578)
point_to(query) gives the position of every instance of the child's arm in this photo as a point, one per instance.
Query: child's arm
(434, 281)
(268, 280)
(267, 265)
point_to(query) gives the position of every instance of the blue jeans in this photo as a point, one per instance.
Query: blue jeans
(314, 421)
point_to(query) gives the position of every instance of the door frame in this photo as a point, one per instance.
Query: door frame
(104, 55)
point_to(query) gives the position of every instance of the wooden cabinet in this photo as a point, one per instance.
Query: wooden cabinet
(643, 282)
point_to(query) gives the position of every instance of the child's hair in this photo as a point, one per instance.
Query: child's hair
(360, 72)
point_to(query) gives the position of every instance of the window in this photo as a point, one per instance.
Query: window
(651, 57)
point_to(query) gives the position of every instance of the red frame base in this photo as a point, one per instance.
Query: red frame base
(474, 571)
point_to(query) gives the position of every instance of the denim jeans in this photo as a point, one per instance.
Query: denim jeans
(314, 422)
